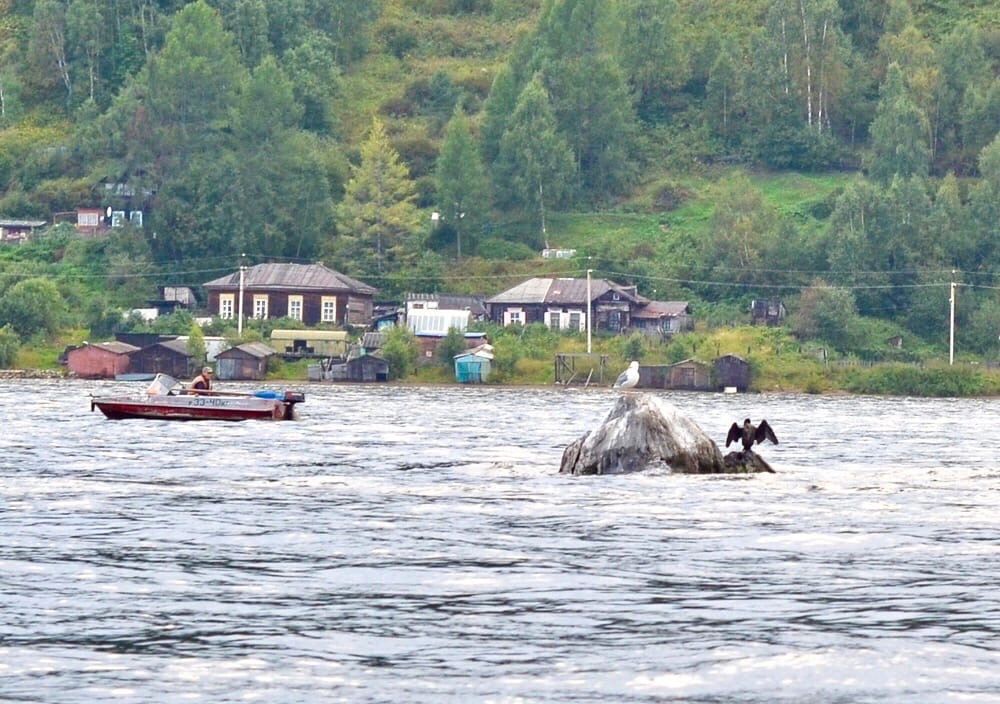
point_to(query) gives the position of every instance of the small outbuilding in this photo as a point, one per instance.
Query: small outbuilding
(367, 368)
(247, 361)
(474, 365)
(732, 371)
(310, 343)
(102, 360)
(170, 357)
(687, 375)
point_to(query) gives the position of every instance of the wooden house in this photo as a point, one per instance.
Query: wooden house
(562, 304)
(663, 318)
(18, 231)
(102, 360)
(767, 311)
(166, 357)
(732, 371)
(311, 293)
(91, 221)
(243, 362)
(474, 365)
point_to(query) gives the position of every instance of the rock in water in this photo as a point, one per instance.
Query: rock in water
(643, 432)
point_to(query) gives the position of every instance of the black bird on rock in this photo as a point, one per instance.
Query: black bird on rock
(750, 434)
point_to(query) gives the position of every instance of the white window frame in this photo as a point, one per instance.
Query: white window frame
(328, 309)
(513, 316)
(260, 301)
(227, 306)
(295, 307)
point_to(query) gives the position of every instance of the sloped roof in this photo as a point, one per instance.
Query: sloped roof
(452, 301)
(179, 346)
(254, 349)
(315, 277)
(560, 291)
(662, 309)
(116, 347)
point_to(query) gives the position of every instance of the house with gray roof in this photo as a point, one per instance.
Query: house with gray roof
(562, 304)
(311, 293)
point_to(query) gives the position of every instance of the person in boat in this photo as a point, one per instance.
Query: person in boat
(203, 382)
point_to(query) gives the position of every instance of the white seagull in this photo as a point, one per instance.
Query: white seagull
(628, 378)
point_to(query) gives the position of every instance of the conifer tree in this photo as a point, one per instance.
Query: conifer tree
(463, 193)
(378, 215)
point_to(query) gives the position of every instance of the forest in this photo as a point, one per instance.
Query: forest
(842, 155)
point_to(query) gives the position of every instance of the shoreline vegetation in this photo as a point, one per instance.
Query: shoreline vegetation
(892, 379)
(778, 363)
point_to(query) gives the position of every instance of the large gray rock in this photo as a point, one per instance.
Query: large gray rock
(643, 432)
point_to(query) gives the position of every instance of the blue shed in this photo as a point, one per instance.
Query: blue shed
(473, 366)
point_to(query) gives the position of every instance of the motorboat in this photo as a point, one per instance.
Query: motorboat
(167, 399)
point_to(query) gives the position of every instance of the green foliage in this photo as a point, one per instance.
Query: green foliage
(401, 351)
(825, 313)
(453, 343)
(463, 193)
(196, 344)
(377, 216)
(10, 343)
(33, 307)
(911, 380)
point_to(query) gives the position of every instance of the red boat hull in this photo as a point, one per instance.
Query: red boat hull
(189, 407)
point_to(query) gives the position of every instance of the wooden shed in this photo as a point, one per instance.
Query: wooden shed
(170, 357)
(732, 371)
(102, 360)
(367, 368)
(688, 375)
(243, 362)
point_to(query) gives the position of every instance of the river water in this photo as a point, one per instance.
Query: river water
(418, 545)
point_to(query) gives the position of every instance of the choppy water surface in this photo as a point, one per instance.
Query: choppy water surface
(418, 545)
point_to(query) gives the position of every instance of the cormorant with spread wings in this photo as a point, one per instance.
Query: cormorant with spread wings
(750, 434)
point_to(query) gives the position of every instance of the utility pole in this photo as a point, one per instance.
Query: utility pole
(589, 306)
(239, 322)
(951, 336)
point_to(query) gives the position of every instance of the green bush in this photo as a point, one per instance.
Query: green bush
(910, 380)
(10, 343)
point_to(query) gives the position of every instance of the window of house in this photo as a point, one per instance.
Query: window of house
(514, 316)
(328, 309)
(88, 219)
(575, 321)
(227, 304)
(260, 305)
(555, 320)
(295, 307)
